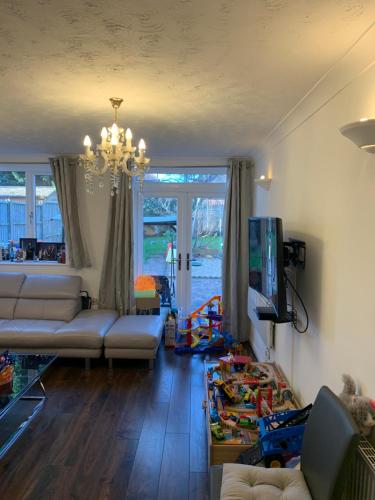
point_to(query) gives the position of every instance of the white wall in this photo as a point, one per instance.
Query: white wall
(323, 187)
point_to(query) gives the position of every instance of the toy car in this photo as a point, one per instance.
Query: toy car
(214, 416)
(217, 431)
(226, 390)
(246, 422)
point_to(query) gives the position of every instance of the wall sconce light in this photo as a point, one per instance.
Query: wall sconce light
(263, 182)
(362, 133)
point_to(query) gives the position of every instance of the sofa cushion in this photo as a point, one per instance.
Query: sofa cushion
(47, 309)
(28, 333)
(7, 307)
(49, 297)
(87, 329)
(247, 482)
(10, 286)
(48, 286)
(135, 332)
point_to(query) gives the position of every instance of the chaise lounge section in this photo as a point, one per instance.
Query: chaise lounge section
(134, 337)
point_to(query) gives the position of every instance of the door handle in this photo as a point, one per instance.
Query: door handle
(187, 262)
(179, 262)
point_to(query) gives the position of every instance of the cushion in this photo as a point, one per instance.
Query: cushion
(47, 309)
(245, 482)
(7, 307)
(28, 333)
(10, 284)
(86, 330)
(51, 286)
(135, 332)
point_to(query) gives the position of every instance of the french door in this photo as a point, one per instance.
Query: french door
(179, 236)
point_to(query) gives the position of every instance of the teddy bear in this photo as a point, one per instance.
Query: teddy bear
(362, 408)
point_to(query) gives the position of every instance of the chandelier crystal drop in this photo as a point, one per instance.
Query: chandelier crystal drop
(116, 154)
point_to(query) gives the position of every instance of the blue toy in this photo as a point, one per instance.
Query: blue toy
(280, 438)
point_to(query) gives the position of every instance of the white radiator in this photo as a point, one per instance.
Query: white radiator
(262, 338)
(361, 480)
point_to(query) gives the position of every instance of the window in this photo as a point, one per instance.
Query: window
(29, 209)
(48, 225)
(182, 178)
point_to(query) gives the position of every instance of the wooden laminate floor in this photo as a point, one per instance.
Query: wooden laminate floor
(129, 434)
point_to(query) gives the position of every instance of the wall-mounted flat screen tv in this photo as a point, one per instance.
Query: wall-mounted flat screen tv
(266, 267)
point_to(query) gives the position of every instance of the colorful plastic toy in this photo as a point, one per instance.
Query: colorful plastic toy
(217, 431)
(203, 330)
(280, 437)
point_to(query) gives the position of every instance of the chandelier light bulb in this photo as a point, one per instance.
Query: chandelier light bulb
(87, 141)
(142, 145)
(114, 129)
(114, 140)
(128, 134)
(104, 133)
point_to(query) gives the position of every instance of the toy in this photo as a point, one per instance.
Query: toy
(214, 416)
(170, 331)
(228, 393)
(247, 422)
(217, 431)
(232, 363)
(241, 397)
(201, 331)
(6, 370)
(362, 408)
(280, 438)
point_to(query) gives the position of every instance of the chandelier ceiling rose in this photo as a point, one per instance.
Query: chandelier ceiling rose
(116, 102)
(115, 153)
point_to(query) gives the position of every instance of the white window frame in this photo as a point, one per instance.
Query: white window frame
(31, 170)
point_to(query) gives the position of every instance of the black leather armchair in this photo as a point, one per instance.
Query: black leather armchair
(330, 440)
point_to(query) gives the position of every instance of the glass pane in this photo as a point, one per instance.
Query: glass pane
(186, 178)
(47, 212)
(207, 249)
(22, 371)
(159, 244)
(12, 207)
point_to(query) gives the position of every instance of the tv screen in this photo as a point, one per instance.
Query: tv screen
(266, 264)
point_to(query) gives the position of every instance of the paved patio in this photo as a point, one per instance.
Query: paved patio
(206, 277)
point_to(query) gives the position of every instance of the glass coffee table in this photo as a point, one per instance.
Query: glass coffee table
(27, 372)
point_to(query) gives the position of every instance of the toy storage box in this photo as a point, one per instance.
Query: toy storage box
(219, 453)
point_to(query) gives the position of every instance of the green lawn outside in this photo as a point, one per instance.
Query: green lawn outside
(158, 245)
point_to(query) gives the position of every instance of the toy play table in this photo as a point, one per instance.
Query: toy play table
(228, 450)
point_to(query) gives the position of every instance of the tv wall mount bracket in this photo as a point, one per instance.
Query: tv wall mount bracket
(295, 253)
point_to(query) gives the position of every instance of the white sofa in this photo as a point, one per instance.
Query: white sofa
(42, 313)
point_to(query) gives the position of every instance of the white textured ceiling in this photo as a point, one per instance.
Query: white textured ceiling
(200, 78)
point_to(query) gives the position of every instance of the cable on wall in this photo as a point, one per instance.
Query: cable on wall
(294, 312)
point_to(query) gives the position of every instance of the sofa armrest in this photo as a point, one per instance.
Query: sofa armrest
(91, 321)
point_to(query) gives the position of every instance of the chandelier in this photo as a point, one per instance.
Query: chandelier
(116, 154)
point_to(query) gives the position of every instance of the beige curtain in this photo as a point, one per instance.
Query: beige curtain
(117, 284)
(238, 208)
(64, 171)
